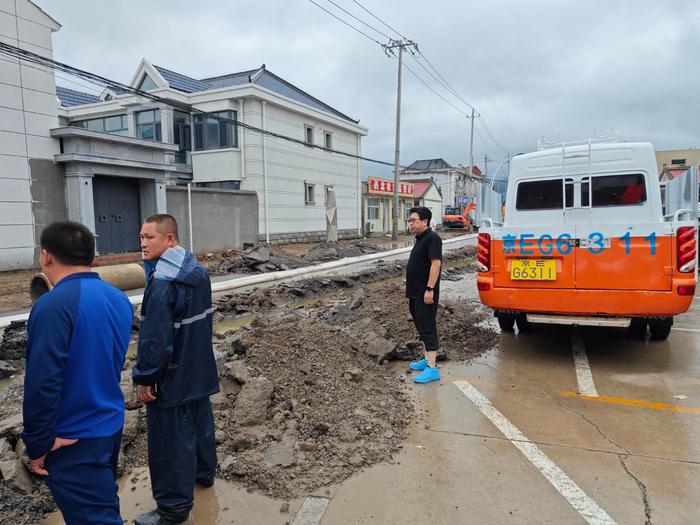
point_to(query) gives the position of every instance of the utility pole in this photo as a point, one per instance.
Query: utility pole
(486, 166)
(471, 146)
(389, 49)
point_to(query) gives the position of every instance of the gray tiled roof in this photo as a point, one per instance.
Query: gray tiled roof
(71, 97)
(265, 79)
(427, 165)
(182, 82)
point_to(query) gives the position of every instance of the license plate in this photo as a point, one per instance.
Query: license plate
(533, 270)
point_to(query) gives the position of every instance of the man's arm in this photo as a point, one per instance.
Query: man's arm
(155, 345)
(435, 265)
(49, 332)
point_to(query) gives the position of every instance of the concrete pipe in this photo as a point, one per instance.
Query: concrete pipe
(123, 276)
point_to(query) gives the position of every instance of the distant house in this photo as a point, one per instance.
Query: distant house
(427, 194)
(454, 183)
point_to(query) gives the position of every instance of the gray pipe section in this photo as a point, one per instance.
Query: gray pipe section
(123, 276)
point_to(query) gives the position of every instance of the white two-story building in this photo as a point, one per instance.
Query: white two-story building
(291, 179)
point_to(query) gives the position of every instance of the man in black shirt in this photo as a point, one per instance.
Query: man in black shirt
(423, 291)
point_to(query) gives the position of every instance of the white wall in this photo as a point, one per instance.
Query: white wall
(446, 182)
(27, 113)
(289, 165)
(433, 201)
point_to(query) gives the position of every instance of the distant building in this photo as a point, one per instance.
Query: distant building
(377, 204)
(428, 195)
(672, 163)
(454, 183)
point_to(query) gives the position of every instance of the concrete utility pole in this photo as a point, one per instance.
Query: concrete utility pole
(389, 49)
(471, 147)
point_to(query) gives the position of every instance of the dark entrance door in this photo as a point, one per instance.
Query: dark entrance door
(117, 218)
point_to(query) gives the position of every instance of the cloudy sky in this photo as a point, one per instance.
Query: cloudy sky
(558, 69)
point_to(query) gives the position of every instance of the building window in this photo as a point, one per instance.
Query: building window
(148, 125)
(309, 134)
(678, 162)
(373, 209)
(223, 185)
(147, 84)
(328, 140)
(214, 133)
(309, 193)
(117, 124)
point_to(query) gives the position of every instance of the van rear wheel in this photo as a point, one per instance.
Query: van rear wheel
(638, 328)
(660, 330)
(506, 322)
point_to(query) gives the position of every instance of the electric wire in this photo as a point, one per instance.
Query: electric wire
(15, 52)
(359, 20)
(380, 20)
(346, 23)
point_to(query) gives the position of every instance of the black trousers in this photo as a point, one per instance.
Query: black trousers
(425, 318)
(181, 450)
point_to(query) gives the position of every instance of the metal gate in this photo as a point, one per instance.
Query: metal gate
(117, 218)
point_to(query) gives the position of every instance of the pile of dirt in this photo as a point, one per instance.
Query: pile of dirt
(279, 258)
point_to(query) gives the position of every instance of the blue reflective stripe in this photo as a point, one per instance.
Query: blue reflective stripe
(196, 318)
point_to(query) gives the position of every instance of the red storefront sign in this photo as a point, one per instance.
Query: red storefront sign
(386, 187)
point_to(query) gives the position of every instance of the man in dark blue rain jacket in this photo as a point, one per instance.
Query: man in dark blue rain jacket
(175, 372)
(78, 334)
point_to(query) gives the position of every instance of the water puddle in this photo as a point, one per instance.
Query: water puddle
(225, 503)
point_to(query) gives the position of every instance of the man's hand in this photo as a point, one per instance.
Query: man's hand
(428, 297)
(37, 465)
(147, 393)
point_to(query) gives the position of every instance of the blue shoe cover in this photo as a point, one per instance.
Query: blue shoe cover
(428, 375)
(419, 366)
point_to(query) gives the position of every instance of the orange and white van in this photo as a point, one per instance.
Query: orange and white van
(586, 240)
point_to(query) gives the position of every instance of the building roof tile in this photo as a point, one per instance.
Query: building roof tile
(71, 97)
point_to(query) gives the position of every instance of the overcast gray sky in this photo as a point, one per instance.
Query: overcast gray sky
(560, 69)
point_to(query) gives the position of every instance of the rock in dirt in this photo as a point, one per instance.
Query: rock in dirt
(16, 476)
(353, 374)
(280, 454)
(259, 256)
(253, 401)
(6, 369)
(11, 427)
(238, 371)
(238, 347)
(14, 341)
(6, 452)
(378, 347)
(227, 463)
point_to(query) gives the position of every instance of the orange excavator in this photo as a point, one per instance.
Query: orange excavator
(458, 217)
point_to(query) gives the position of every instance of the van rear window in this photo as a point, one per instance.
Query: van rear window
(540, 195)
(618, 190)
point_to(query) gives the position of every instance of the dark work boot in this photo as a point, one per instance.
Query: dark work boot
(154, 518)
(206, 482)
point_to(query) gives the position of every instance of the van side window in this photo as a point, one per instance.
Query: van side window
(540, 195)
(618, 190)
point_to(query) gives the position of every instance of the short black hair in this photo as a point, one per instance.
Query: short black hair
(423, 213)
(71, 243)
(166, 223)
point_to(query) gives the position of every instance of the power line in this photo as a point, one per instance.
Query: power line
(447, 84)
(346, 23)
(25, 55)
(432, 75)
(431, 89)
(359, 20)
(382, 21)
(483, 122)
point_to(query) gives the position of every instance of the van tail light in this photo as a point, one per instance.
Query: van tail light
(686, 290)
(686, 249)
(483, 287)
(483, 252)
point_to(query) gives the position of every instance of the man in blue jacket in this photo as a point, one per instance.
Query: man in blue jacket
(73, 404)
(175, 372)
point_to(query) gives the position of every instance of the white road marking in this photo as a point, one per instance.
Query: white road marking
(586, 386)
(577, 498)
(686, 329)
(311, 511)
